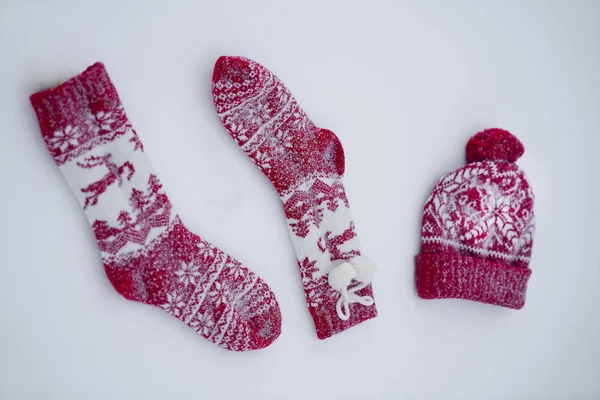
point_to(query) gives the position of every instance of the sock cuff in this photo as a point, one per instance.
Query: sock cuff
(328, 323)
(79, 114)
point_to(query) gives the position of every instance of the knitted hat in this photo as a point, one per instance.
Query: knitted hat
(478, 227)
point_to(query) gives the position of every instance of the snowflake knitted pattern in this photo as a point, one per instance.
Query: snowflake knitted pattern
(305, 164)
(478, 226)
(148, 254)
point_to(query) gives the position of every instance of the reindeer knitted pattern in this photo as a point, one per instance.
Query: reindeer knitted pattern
(477, 229)
(148, 254)
(305, 163)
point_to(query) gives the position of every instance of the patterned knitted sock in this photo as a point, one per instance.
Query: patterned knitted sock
(305, 164)
(148, 254)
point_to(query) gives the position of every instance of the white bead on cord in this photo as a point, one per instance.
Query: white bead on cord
(360, 269)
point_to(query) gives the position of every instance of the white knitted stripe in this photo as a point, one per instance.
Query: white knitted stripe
(213, 278)
(232, 305)
(261, 135)
(263, 92)
(482, 252)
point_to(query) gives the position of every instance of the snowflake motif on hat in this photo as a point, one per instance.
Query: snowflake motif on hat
(488, 220)
(475, 210)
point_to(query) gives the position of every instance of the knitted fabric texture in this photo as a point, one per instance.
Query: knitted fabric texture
(148, 254)
(305, 163)
(478, 225)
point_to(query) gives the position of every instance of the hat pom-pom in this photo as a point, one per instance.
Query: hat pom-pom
(494, 144)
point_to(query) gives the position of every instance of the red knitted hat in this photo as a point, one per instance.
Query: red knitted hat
(478, 227)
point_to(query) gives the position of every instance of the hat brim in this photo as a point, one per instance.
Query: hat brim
(450, 275)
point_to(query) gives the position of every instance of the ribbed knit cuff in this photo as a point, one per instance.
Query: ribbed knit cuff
(449, 275)
(65, 112)
(328, 323)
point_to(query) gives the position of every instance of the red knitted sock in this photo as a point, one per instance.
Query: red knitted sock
(148, 254)
(305, 164)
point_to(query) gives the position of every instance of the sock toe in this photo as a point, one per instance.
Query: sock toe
(255, 320)
(230, 71)
(234, 80)
(266, 328)
(265, 322)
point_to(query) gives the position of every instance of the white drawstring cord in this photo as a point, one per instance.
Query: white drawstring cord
(358, 268)
(349, 296)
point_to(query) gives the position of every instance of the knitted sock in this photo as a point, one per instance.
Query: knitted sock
(305, 164)
(148, 254)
